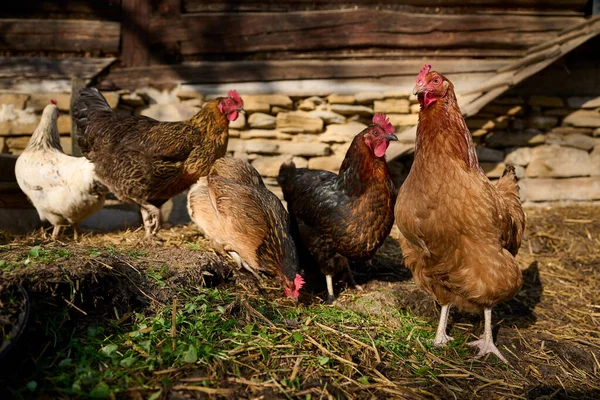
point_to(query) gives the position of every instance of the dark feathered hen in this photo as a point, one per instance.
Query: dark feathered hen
(145, 161)
(345, 216)
(459, 232)
(236, 211)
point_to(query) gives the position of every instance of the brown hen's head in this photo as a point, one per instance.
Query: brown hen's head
(378, 135)
(231, 105)
(430, 87)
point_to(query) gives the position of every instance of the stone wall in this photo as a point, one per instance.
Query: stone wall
(554, 142)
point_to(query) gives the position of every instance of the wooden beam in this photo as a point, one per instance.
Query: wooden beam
(61, 35)
(266, 71)
(245, 33)
(90, 9)
(52, 68)
(135, 45)
(287, 5)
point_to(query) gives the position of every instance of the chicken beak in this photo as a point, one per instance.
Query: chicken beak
(391, 137)
(418, 89)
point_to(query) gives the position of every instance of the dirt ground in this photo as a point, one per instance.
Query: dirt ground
(550, 331)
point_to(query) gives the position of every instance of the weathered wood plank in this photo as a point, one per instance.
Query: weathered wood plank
(212, 33)
(87, 9)
(136, 17)
(51, 68)
(287, 5)
(251, 71)
(64, 35)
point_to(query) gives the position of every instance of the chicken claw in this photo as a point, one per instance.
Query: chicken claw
(486, 343)
(152, 219)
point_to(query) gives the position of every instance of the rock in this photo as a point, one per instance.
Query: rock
(569, 130)
(488, 124)
(509, 100)
(543, 122)
(261, 121)
(269, 166)
(3, 148)
(276, 110)
(479, 132)
(583, 102)
(234, 133)
(317, 100)
(391, 106)
(252, 106)
(298, 122)
(329, 117)
(340, 148)
(306, 105)
(269, 147)
(341, 133)
(190, 94)
(300, 162)
(133, 99)
(271, 99)
(506, 109)
(396, 94)
(345, 109)
(415, 108)
(338, 99)
(558, 162)
(493, 170)
(485, 154)
(574, 189)
(368, 97)
(546, 101)
(518, 156)
(16, 145)
(112, 98)
(595, 160)
(517, 124)
(16, 99)
(39, 101)
(557, 112)
(403, 119)
(528, 137)
(16, 128)
(596, 132)
(575, 140)
(196, 103)
(519, 171)
(583, 118)
(239, 123)
(331, 163)
(265, 134)
(169, 112)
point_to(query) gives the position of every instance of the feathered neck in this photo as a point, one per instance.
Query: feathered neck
(359, 168)
(46, 134)
(209, 114)
(443, 129)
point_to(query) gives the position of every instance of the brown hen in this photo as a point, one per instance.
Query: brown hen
(236, 211)
(145, 161)
(344, 217)
(459, 232)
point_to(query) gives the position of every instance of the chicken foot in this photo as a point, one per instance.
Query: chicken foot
(441, 337)
(486, 343)
(76, 232)
(56, 232)
(152, 219)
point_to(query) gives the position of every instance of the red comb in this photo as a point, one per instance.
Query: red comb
(384, 122)
(236, 97)
(298, 282)
(424, 71)
(52, 101)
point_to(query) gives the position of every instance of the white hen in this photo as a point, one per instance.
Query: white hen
(63, 189)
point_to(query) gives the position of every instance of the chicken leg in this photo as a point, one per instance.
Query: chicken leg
(441, 337)
(486, 343)
(152, 219)
(76, 232)
(330, 294)
(55, 232)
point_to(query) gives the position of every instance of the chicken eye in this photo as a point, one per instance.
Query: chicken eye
(436, 81)
(375, 132)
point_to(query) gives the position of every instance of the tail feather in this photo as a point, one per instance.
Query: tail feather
(508, 189)
(285, 179)
(88, 99)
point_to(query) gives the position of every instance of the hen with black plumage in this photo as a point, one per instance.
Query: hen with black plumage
(344, 217)
(145, 161)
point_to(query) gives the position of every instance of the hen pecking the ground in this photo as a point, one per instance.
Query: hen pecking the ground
(344, 217)
(64, 190)
(235, 210)
(459, 232)
(145, 161)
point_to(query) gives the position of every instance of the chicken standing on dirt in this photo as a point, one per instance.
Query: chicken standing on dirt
(145, 161)
(459, 233)
(64, 190)
(236, 211)
(344, 217)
